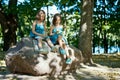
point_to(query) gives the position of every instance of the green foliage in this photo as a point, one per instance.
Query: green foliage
(2, 55)
(72, 31)
(106, 21)
(70, 11)
(106, 27)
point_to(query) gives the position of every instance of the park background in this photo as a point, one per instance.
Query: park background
(16, 17)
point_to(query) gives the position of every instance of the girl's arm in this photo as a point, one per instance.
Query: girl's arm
(51, 28)
(33, 29)
(46, 31)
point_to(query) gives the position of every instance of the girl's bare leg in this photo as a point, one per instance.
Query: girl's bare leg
(40, 43)
(60, 41)
(49, 42)
(62, 46)
(53, 48)
(68, 59)
(66, 49)
(41, 50)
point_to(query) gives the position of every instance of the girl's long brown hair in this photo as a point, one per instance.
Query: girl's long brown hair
(55, 18)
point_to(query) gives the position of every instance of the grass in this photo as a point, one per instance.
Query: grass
(110, 60)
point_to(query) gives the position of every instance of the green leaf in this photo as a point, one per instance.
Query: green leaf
(106, 27)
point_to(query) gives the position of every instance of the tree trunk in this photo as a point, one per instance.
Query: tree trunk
(48, 22)
(85, 36)
(105, 42)
(9, 25)
(9, 36)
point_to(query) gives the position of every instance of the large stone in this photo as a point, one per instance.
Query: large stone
(23, 58)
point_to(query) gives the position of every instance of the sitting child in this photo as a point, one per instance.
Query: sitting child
(39, 32)
(56, 37)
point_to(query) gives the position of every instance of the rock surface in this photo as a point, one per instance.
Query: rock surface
(23, 59)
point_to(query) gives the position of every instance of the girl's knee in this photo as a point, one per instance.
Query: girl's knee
(40, 39)
(59, 37)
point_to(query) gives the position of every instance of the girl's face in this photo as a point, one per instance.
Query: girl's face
(41, 13)
(58, 20)
(41, 16)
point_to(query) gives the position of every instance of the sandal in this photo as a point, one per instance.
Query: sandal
(68, 61)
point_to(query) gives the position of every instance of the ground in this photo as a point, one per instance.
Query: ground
(83, 73)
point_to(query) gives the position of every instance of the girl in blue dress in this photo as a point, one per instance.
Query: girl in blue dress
(56, 36)
(39, 31)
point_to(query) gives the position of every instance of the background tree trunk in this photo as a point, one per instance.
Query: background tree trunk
(105, 42)
(85, 36)
(9, 25)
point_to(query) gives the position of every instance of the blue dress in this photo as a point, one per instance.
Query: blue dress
(57, 31)
(39, 28)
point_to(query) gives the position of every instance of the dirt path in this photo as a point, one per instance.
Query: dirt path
(84, 73)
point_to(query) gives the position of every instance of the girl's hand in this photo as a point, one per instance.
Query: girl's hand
(42, 35)
(57, 32)
(45, 34)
